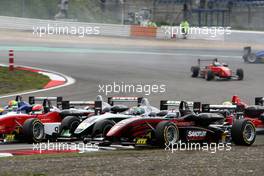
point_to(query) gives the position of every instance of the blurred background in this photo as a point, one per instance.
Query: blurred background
(239, 14)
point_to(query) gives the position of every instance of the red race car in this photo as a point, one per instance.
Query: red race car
(215, 70)
(185, 126)
(255, 113)
(44, 121)
(29, 127)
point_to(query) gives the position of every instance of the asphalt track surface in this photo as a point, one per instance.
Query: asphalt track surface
(92, 65)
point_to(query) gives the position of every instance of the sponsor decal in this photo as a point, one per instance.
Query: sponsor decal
(141, 141)
(196, 135)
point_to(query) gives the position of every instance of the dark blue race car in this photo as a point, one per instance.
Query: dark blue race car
(20, 107)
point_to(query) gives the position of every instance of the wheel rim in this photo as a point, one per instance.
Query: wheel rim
(252, 58)
(249, 133)
(171, 134)
(38, 131)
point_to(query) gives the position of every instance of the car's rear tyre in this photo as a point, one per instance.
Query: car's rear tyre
(251, 58)
(102, 127)
(70, 123)
(195, 71)
(240, 74)
(209, 75)
(243, 132)
(166, 133)
(33, 130)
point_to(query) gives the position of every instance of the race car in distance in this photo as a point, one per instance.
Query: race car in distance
(43, 122)
(250, 57)
(191, 127)
(215, 70)
(96, 127)
(254, 113)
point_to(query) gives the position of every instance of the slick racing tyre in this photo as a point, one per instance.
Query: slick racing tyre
(33, 130)
(70, 123)
(243, 132)
(209, 75)
(195, 71)
(102, 127)
(240, 74)
(251, 58)
(166, 133)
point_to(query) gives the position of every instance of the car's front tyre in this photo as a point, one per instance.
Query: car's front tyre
(166, 133)
(33, 130)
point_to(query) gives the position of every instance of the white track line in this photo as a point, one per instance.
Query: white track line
(69, 81)
(5, 154)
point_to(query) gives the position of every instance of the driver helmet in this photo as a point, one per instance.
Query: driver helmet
(216, 63)
(12, 105)
(227, 103)
(173, 114)
(136, 111)
(37, 109)
(1, 110)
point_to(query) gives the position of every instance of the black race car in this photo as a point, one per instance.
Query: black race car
(186, 126)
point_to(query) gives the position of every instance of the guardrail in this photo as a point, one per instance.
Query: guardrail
(27, 24)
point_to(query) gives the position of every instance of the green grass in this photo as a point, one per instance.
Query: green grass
(20, 80)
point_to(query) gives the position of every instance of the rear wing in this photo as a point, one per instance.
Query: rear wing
(113, 100)
(32, 100)
(96, 104)
(259, 101)
(247, 51)
(207, 60)
(164, 105)
(238, 109)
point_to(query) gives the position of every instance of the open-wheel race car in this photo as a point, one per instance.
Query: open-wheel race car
(250, 57)
(187, 126)
(95, 128)
(30, 127)
(44, 121)
(215, 70)
(254, 113)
